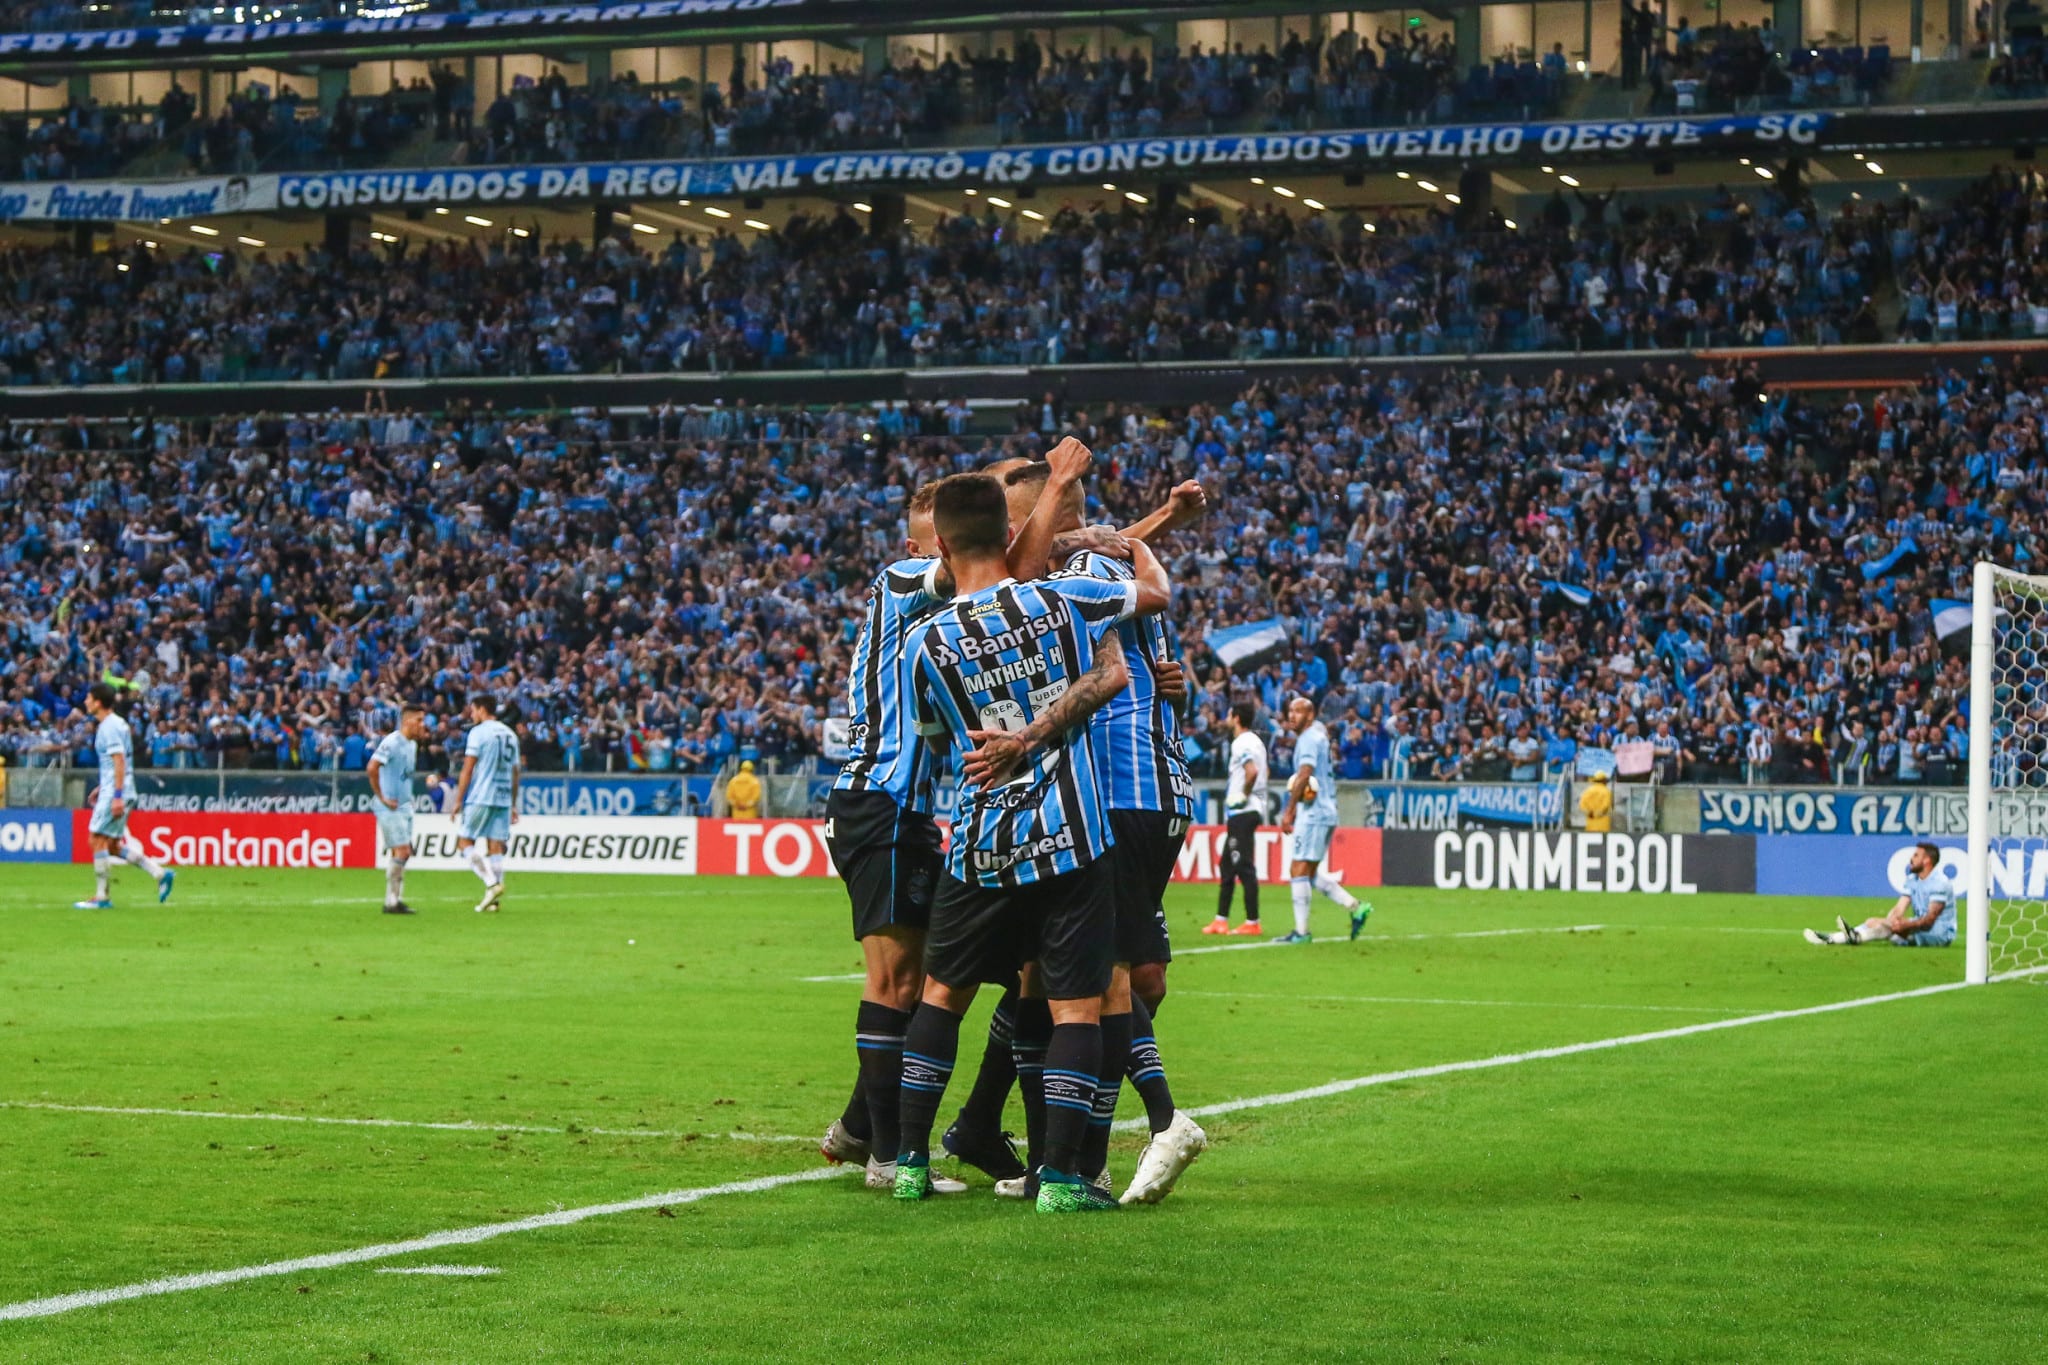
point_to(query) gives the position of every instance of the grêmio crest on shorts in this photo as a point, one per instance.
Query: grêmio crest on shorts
(993, 660)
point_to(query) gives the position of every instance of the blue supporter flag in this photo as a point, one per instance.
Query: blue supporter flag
(1574, 593)
(1238, 645)
(1951, 617)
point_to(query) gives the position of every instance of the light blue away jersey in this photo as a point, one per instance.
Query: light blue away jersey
(993, 660)
(1925, 891)
(113, 737)
(496, 751)
(1137, 735)
(400, 759)
(1312, 751)
(888, 753)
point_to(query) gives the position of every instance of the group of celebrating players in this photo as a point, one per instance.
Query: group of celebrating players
(1036, 652)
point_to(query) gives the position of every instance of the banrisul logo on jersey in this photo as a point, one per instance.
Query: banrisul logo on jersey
(35, 836)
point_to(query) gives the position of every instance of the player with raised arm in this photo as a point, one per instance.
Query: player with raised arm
(115, 795)
(1244, 807)
(1924, 915)
(886, 846)
(390, 774)
(1310, 821)
(487, 798)
(1150, 796)
(1015, 670)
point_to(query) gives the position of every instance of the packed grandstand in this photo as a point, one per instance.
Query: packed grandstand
(1472, 568)
(1471, 576)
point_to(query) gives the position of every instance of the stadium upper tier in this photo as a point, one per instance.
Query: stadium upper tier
(514, 102)
(1100, 279)
(1461, 573)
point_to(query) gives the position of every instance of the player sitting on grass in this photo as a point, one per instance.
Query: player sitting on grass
(1924, 916)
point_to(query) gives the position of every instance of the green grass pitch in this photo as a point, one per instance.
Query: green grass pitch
(1862, 1185)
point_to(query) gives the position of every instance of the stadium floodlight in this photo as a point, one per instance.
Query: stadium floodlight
(2005, 922)
(999, 201)
(204, 231)
(717, 212)
(474, 221)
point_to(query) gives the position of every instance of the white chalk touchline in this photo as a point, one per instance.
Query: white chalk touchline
(1317, 1092)
(384, 1251)
(1491, 1004)
(466, 1126)
(459, 1270)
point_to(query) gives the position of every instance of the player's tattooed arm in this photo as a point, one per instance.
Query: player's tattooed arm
(1102, 540)
(998, 755)
(1186, 505)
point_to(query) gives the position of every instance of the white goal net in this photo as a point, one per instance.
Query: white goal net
(2006, 911)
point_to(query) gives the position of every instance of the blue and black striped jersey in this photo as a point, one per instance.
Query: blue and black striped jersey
(1137, 735)
(888, 755)
(993, 660)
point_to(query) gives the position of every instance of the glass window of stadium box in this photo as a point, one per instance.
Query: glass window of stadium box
(134, 89)
(496, 75)
(25, 97)
(221, 86)
(1870, 23)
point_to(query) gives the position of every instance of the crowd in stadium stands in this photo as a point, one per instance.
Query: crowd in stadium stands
(1474, 576)
(1103, 281)
(1736, 68)
(1033, 95)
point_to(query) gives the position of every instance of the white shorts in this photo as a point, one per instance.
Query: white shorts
(394, 827)
(105, 823)
(1310, 842)
(487, 823)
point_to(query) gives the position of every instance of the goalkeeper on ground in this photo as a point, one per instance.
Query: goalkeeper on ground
(1924, 916)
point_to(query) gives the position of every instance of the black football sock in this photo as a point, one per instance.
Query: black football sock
(1224, 888)
(879, 1038)
(854, 1118)
(1147, 1071)
(929, 1048)
(983, 1112)
(1073, 1059)
(1116, 1049)
(1251, 896)
(1027, 1050)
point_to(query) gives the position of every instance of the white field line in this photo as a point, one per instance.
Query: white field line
(466, 1126)
(456, 1270)
(1485, 1004)
(1317, 1092)
(383, 1251)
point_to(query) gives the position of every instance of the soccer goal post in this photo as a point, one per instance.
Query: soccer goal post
(2005, 920)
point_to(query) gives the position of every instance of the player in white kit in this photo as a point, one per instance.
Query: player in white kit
(1244, 806)
(108, 829)
(391, 772)
(487, 797)
(1311, 821)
